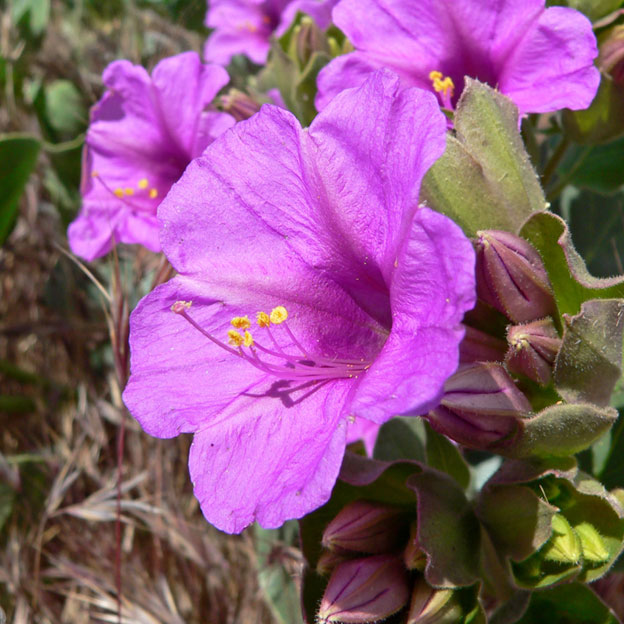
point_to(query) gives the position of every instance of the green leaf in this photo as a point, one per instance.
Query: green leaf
(594, 9)
(562, 429)
(596, 168)
(401, 438)
(518, 521)
(484, 180)
(571, 282)
(443, 455)
(65, 109)
(18, 156)
(589, 362)
(574, 603)
(448, 530)
(35, 13)
(612, 474)
(275, 576)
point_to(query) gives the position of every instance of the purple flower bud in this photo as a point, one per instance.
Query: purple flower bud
(365, 590)
(430, 605)
(308, 40)
(611, 57)
(511, 276)
(477, 346)
(533, 348)
(367, 527)
(481, 406)
(240, 105)
(414, 556)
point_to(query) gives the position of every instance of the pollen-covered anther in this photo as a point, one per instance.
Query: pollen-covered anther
(234, 338)
(278, 315)
(143, 183)
(129, 190)
(118, 192)
(248, 340)
(263, 319)
(153, 193)
(241, 322)
(443, 85)
(180, 306)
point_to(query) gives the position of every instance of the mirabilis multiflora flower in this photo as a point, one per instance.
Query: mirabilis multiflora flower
(312, 292)
(246, 26)
(143, 133)
(541, 58)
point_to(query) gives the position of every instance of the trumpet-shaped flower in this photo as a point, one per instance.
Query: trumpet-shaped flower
(245, 26)
(143, 133)
(312, 292)
(542, 58)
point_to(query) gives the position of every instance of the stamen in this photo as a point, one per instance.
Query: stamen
(288, 367)
(263, 319)
(234, 338)
(129, 191)
(153, 194)
(118, 192)
(278, 315)
(241, 322)
(143, 183)
(444, 86)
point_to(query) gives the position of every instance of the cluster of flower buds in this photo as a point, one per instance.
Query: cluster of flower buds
(375, 568)
(483, 405)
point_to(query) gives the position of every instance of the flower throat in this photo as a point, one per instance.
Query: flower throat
(299, 366)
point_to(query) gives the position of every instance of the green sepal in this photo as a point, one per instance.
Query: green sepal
(485, 179)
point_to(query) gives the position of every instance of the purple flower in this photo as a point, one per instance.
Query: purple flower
(541, 58)
(144, 132)
(245, 26)
(321, 294)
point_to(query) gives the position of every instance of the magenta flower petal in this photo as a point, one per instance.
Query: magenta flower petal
(324, 222)
(245, 26)
(542, 58)
(143, 133)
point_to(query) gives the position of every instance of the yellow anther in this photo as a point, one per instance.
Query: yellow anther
(129, 191)
(248, 339)
(143, 183)
(179, 306)
(95, 174)
(234, 338)
(278, 315)
(241, 322)
(443, 85)
(263, 319)
(153, 193)
(119, 192)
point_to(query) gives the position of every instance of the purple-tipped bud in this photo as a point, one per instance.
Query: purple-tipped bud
(414, 556)
(481, 406)
(533, 348)
(308, 39)
(611, 57)
(477, 346)
(365, 590)
(431, 606)
(367, 527)
(328, 561)
(240, 105)
(511, 276)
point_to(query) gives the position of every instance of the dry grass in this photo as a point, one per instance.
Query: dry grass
(61, 559)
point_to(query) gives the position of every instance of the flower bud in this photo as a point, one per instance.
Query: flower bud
(511, 276)
(414, 556)
(365, 590)
(477, 346)
(433, 606)
(611, 57)
(240, 105)
(595, 551)
(481, 406)
(533, 348)
(366, 527)
(308, 39)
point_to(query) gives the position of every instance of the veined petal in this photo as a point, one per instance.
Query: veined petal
(267, 463)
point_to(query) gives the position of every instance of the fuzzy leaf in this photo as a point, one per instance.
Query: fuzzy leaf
(484, 180)
(589, 362)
